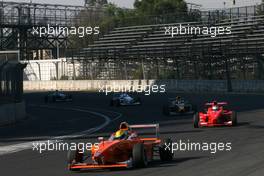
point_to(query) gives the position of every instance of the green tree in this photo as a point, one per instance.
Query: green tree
(94, 2)
(109, 16)
(159, 7)
(105, 17)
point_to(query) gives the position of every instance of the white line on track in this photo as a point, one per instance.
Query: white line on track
(28, 145)
(97, 109)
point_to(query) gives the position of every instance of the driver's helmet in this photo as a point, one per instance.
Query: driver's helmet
(215, 106)
(125, 95)
(124, 126)
(122, 95)
(179, 99)
(121, 134)
(123, 131)
(56, 92)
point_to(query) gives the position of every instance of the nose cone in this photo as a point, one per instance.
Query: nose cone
(214, 116)
(105, 150)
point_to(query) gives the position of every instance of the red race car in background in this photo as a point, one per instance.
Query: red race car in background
(215, 115)
(123, 153)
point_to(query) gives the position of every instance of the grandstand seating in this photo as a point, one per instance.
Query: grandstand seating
(151, 41)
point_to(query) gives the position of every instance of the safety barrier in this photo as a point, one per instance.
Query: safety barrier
(170, 85)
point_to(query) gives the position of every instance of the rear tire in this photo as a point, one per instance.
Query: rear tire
(46, 99)
(139, 156)
(166, 110)
(70, 98)
(165, 150)
(53, 99)
(196, 120)
(74, 156)
(139, 100)
(234, 118)
(194, 109)
(116, 103)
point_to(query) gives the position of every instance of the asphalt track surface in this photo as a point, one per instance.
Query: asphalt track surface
(90, 116)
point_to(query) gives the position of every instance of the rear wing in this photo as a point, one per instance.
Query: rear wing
(171, 99)
(182, 100)
(219, 103)
(156, 126)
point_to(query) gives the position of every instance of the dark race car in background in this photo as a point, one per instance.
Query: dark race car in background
(124, 99)
(58, 97)
(176, 106)
(215, 114)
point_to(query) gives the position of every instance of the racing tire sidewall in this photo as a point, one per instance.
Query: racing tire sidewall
(196, 119)
(234, 118)
(111, 103)
(194, 109)
(139, 156)
(46, 99)
(166, 110)
(74, 155)
(117, 103)
(165, 150)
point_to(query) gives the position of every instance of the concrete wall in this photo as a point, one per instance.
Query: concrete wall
(171, 85)
(11, 113)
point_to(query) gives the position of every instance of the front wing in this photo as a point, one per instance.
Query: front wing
(130, 103)
(206, 124)
(66, 99)
(96, 166)
(187, 110)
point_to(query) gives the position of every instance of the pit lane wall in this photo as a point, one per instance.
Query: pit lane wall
(170, 85)
(12, 112)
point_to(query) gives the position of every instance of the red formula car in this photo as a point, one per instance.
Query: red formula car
(215, 115)
(122, 153)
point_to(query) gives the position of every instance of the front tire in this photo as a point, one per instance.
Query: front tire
(116, 103)
(196, 120)
(166, 110)
(194, 109)
(46, 99)
(234, 118)
(74, 156)
(53, 99)
(138, 100)
(139, 156)
(70, 98)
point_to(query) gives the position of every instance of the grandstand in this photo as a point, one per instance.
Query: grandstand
(138, 47)
(147, 48)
